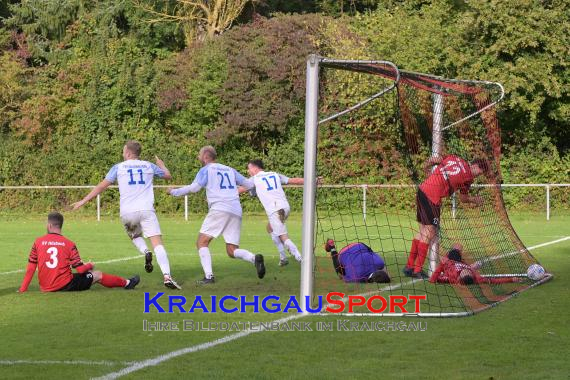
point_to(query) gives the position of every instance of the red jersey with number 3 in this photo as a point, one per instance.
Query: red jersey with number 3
(55, 255)
(453, 173)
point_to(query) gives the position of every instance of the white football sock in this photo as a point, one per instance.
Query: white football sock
(140, 244)
(279, 245)
(162, 259)
(206, 261)
(292, 248)
(244, 254)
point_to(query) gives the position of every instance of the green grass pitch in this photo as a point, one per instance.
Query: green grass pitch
(101, 330)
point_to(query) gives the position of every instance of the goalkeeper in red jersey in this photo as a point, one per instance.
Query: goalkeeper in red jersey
(453, 270)
(451, 173)
(54, 256)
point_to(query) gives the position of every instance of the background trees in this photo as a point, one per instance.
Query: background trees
(78, 77)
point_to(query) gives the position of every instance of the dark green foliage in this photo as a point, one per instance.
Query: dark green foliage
(262, 98)
(78, 78)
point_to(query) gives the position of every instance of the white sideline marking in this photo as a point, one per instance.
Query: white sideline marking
(66, 362)
(204, 346)
(228, 338)
(126, 259)
(521, 251)
(94, 262)
(136, 366)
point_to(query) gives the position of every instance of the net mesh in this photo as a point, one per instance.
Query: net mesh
(377, 128)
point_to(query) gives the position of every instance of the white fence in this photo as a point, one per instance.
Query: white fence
(364, 187)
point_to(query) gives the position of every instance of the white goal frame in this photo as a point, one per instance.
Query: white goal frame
(310, 176)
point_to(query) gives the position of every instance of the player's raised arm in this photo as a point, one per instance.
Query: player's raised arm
(92, 194)
(296, 181)
(163, 171)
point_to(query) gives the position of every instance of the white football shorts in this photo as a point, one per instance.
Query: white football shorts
(141, 223)
(277, 221)
(222, 223)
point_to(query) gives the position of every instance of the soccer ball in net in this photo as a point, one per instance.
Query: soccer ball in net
(535, 272)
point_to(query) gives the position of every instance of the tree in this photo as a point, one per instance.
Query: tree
(198, 18)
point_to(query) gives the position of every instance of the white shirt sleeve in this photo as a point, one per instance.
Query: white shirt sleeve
(112, 174)
(193, 188)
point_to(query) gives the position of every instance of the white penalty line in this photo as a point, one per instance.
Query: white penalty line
(64, 362)
(137, 366)
(522, 250)
(95, 262)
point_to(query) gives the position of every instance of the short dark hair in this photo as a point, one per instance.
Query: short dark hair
(134, 147)
(55, 219)
(454, 254)
(257, 163)
(482, 163)
(467, 280)
(379, 276)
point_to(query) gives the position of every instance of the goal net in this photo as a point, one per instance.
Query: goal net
(371, 128)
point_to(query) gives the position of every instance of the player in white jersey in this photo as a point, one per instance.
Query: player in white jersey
(269, 190)
(134, 178)
(224, 215)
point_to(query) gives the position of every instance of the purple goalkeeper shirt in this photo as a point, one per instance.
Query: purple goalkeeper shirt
(359, 262)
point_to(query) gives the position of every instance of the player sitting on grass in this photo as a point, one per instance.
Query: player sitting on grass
(55, 255)
(453, 270)
(267, 187)
(224, 215)
(452, 173)
(357, 263)
(135, 178)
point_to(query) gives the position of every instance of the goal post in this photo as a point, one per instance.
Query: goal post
(310, 179)
(396, 119)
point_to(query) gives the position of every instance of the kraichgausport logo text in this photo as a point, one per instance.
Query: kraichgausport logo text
(336, 302)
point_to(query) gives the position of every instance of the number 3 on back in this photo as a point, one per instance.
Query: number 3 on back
(52, 263)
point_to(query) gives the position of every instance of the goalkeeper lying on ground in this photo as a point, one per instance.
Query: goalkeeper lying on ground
(453, 270)
(357, 263)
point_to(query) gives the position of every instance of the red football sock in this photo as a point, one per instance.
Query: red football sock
(110, 281)
(422, 254)
(413, 253)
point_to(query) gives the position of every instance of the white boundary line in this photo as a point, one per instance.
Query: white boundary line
(95, 262)
(488, 259)
(126, 259)
(64, 362)
(200, 347)
(137, 366)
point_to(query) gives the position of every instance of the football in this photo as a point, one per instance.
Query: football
(535, 272)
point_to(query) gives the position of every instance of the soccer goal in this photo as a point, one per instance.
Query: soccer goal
(370, 122)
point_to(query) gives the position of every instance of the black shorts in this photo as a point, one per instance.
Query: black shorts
(78, 283)
(427, 213)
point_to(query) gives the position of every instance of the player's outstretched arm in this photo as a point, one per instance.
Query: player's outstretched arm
(30, 270)
(435, 276)
(471, 199)
(178, 192)
(163, 167)
(296, 181)
(92, 194)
